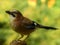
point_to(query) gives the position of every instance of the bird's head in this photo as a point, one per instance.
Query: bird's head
(14, 13)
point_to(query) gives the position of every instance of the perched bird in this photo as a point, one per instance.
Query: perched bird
(23, 25)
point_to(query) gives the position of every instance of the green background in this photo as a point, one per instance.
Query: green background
(39, 13)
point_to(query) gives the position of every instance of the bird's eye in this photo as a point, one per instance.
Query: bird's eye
(14, 14)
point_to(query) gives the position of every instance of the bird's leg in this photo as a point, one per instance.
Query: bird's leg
(26, 37)
(23, 37)
(20, 37)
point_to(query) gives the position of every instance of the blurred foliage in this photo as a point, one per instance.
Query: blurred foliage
(45, 12)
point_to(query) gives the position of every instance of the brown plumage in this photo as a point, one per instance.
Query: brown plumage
(23, 25)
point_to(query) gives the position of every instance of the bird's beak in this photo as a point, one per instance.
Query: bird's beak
(10, 13)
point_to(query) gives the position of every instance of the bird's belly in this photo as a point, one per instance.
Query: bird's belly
(23, 31)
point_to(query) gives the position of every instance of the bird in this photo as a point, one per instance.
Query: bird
(23, 25)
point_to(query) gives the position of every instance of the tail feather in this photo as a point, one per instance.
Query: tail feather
(46, 27)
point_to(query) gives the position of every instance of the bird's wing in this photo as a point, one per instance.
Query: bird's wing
(32, 25)
(28, 24)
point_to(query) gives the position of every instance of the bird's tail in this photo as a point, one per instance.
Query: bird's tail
(46, 27)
